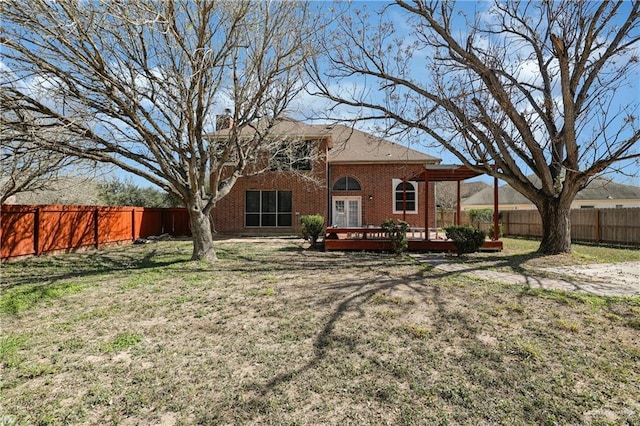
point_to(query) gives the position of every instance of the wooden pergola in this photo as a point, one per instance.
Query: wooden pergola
(454, 173)
(368, 238)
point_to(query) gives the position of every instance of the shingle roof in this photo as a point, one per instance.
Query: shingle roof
(354, 146)
(283, 127)
(506, 195)
(349, 145)
(598, 189)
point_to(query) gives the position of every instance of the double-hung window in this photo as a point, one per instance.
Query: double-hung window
(268, 209)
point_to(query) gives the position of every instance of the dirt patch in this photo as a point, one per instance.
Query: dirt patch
(625, 274)
(610, 279)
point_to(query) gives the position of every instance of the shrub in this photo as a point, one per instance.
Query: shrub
(500, 234)
(397, 232)
(466, 238)
(312, 227)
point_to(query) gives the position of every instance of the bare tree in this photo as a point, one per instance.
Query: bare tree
(446, 194)
(530, 92)
(139, 83)
(24, 166)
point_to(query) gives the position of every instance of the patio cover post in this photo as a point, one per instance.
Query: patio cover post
(426, 207)
(458, 208)
(496, 234)
(438, 173)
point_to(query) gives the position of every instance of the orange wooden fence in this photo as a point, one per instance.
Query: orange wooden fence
(33, 230)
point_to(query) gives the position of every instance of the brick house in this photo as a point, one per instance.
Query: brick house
(352, 178)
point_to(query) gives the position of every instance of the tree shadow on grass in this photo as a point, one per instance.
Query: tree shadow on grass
(508, 268)
(353, 296)
(49, 270)
(350, 296)
(530, 272)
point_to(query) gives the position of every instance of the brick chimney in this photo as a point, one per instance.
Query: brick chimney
(224, 121)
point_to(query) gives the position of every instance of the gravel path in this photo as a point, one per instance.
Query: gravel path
(611, 279)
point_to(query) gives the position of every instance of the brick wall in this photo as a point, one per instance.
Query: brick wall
(309, 196)
(376, 182)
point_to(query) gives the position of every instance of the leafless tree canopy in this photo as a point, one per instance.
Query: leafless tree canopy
(24, 166)
(447, 192)
(531, 87)
(138, 83)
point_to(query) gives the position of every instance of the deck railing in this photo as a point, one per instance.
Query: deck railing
(374, 232)
(376, 239)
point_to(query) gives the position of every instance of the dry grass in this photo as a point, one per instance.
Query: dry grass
(273, 333)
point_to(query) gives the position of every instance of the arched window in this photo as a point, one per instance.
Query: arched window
(405, 196)
(346, 183)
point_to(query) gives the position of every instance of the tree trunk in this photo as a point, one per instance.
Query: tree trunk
(201, 234)
(556, 227)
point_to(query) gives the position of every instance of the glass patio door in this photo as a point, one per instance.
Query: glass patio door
(347, 212)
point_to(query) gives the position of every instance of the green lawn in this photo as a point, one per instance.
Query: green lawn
(272, 333)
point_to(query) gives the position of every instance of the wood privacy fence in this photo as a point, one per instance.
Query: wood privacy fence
(33, 230)
(614, 226)
(609, 226)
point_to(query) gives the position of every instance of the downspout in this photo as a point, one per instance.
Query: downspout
(496, 234)
(328, 177)
(426, 207)
(458, 207)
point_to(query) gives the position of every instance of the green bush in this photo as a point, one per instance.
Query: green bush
(312, 227)
(500, 234)
(466, 238)
(397, 232)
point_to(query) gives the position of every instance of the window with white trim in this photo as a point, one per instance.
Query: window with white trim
(268, 209)
(346, 183)
(405, 195)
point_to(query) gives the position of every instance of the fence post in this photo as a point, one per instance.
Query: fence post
(36, 231)
(133, 224)
(596, 225)
(96, 234)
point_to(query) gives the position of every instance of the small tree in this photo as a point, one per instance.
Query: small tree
(467, 239)
(479, 216)
(312, 228)
(397, 233)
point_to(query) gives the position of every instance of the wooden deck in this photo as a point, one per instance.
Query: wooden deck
(374, 239)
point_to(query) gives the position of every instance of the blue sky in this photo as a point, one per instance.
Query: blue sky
(307, 106)
(398, 17)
